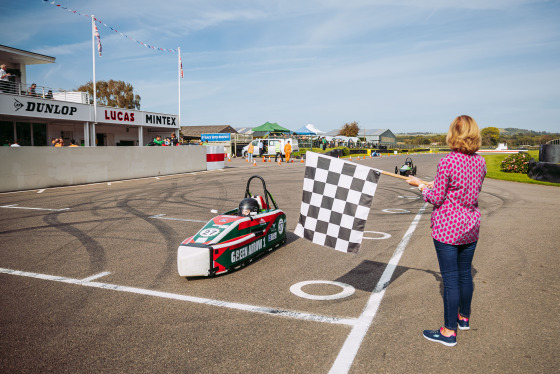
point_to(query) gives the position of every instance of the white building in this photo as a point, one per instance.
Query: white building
(35, 119)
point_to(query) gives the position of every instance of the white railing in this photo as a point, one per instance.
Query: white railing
(44, 92)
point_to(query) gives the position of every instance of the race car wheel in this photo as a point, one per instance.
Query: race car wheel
(414, 170)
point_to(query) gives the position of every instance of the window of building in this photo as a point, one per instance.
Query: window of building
(6, 132)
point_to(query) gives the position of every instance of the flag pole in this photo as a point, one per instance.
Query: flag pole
(93, 58)
(179, 68)
(94, 85)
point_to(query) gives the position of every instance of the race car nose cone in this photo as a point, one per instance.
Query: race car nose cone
(193, 261)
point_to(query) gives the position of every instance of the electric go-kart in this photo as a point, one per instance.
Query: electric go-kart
(407, 169)
(234, 238)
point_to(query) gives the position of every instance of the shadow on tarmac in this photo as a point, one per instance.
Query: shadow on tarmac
(366, 275)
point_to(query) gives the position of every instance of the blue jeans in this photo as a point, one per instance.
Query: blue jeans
(455, 267)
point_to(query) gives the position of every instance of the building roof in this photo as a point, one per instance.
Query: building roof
(196, 131)
(367, 132)
(10, 55)
(244, 130)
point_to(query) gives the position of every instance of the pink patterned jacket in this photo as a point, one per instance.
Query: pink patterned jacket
(456, 217)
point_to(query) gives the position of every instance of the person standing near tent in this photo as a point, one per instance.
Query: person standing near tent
(250, 152)
(278, 150)
(288, 150)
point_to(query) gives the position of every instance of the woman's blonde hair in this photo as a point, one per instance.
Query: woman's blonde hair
(464, 135)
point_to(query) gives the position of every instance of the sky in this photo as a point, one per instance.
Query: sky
(403, 65)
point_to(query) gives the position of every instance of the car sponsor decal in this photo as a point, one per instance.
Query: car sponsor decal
(281, 226)
(208, 232)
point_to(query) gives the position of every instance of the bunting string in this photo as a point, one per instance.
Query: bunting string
(111, 28)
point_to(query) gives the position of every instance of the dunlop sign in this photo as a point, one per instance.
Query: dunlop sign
(43, 108)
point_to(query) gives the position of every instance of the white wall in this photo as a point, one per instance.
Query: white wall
(26, 168)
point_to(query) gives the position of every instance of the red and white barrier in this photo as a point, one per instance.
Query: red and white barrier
(215, 157)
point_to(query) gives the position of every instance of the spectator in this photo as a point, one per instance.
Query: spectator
(174, 140)
(5, 84)
(456, 223)
(53, 142)
(261, 148)
(288, 151)
(157, 141)
(31, 91)
(15, 144)
(250, 151)
(72, 143)
(59, 142)
(278, 150)
(49, 95)
(167, 142)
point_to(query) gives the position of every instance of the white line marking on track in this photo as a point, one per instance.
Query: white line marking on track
(96, 276)
(103, 183)
(192, 299)
(354, 340)
(41, 190)
(13, 206)
(409, 197)
(161, 216)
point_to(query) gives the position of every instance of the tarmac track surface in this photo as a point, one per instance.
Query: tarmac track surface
(88, 282)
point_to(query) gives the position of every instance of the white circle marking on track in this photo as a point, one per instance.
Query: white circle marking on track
(384, 235)
(347, 290)
(395, 210)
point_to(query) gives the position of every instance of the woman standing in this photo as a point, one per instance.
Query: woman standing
(455, 223)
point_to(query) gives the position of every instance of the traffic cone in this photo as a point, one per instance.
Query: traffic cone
(302, 160)
(254, 163)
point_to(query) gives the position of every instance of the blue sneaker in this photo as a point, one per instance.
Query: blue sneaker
(438, 337)
(463, 324)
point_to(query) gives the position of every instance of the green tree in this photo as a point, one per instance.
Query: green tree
(113, 93)
(490, 135)
(422, 140)
(349, 129)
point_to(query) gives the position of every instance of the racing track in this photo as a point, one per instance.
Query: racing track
(88, 282)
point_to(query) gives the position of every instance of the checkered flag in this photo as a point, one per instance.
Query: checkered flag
(337, 196)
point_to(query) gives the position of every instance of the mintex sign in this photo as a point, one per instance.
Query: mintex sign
(160, 120)
(215, 137)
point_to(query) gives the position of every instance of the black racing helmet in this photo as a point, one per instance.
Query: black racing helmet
(248, 206)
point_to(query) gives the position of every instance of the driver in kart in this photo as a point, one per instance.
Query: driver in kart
(407, 166)
(248, 207)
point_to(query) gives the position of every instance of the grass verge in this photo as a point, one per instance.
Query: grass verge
(493, 163)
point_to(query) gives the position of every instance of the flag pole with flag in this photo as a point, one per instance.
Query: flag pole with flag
(94, 36)
(180, 76)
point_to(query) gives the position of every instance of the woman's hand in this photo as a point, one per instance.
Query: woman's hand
(413, 181)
